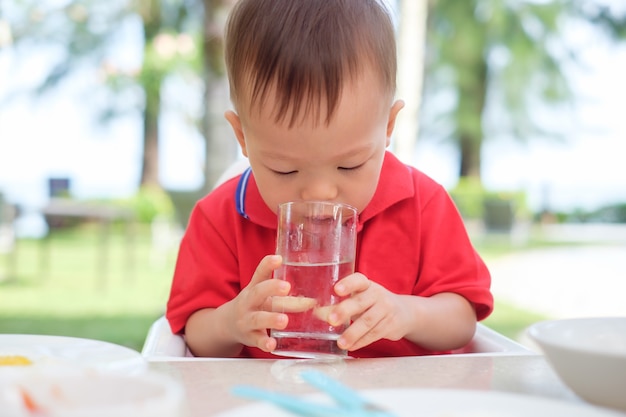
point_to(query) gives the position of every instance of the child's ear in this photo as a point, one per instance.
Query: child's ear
(391, 122)
(235, 123)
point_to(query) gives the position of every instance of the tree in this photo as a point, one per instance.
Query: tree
(411, 40)
(166, 49)
(174, 44)
(221, 145)
(499, 53)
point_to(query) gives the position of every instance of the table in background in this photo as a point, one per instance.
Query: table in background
(61, 209)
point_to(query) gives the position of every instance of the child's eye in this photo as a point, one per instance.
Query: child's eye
(283, 173)
(354, 168)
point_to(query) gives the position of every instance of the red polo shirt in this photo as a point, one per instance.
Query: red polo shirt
(411, 240)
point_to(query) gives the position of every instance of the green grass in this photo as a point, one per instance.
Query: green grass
(74, 293)
(511, 321)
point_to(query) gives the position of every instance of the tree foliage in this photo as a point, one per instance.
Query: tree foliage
(85, 33)
(482, 56)
(502, 56)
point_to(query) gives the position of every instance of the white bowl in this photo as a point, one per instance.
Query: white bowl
(57, 392)
(588, 354)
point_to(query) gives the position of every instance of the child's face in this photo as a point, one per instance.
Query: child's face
(312, 160)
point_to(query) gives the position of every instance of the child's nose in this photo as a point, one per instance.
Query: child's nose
(320, 190)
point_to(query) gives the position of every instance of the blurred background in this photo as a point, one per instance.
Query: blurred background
(111, 127)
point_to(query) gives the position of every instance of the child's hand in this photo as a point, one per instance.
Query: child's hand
(252, 308)
(377, 313)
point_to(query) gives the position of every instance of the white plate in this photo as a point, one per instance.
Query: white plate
(449, 403)
(89, 393)
(77, 352)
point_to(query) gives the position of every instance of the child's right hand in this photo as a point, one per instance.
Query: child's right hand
(252, 309)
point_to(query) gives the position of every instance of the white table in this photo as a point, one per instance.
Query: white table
(491, 362)
(208, 381)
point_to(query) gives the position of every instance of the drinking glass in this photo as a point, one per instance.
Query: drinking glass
(317, 241)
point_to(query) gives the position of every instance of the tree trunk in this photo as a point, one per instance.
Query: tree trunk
(470, 163)
(411, 43)
(150, 161)
(472, 100)
(150, 12)
(221, 144)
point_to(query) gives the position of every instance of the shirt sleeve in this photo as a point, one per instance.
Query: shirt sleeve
(449, 262)
(205, 275)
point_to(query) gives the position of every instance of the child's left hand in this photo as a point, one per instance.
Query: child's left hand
(376, 312)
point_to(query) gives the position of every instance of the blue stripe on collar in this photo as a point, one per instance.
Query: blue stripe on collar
(240, 193)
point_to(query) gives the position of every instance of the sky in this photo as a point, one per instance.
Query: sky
(55, 136)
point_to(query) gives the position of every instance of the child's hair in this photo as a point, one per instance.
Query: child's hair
(304, 50)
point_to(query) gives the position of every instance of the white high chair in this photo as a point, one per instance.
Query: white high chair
(162, 345)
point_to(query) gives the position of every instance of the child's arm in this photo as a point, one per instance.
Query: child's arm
(222, 331)
(443, 321)
(448, 321)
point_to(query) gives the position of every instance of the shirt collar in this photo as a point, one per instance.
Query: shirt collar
(394, 185)
(250, 204)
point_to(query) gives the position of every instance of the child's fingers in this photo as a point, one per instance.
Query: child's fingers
(258, 324)
(265, 268)
(262, 287)
(263, 320)
(259, 297)
(364, 330)
(351, 284)
(352, 308)
(267, 344)
(293, 304)
(355, 287)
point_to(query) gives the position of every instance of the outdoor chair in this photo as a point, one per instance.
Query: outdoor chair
(8, 214)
